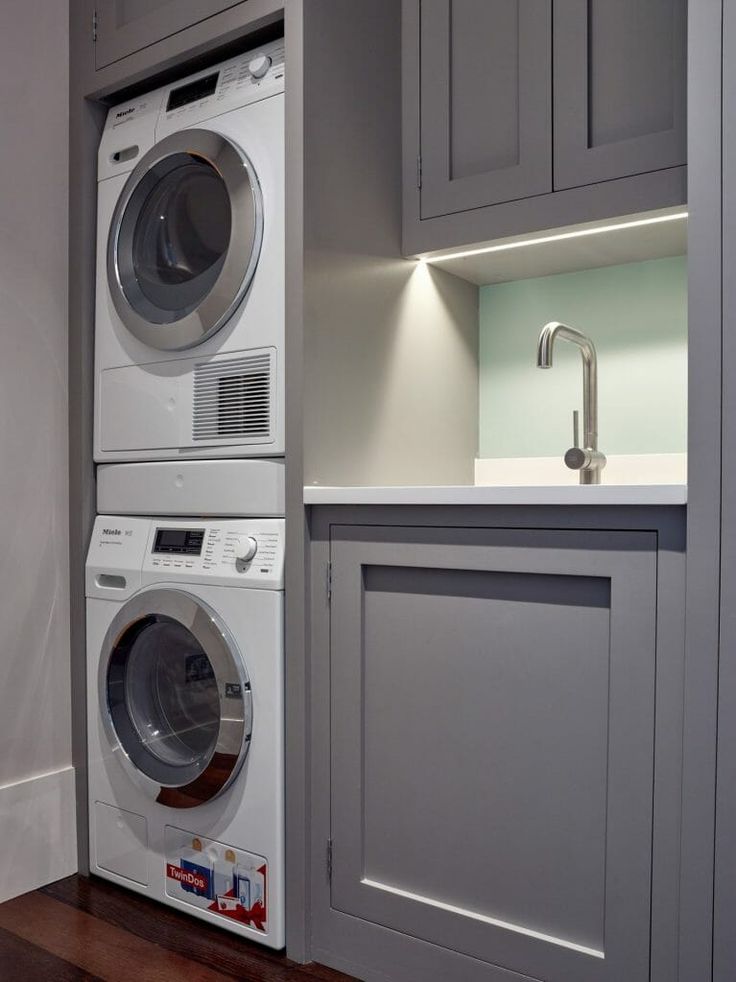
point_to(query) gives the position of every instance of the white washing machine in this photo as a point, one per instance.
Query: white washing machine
(185, 715)
(189, 327)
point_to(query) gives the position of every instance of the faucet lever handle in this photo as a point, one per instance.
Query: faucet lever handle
(575, 428)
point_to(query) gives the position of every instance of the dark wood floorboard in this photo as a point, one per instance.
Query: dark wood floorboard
(83, 928)
(21, 960)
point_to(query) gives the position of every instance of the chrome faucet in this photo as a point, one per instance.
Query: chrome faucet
(586, 459)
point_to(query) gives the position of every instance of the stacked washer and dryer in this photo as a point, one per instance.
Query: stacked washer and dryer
(185, 570)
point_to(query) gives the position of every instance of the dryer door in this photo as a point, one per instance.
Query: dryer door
(175, 697)
(185, 239)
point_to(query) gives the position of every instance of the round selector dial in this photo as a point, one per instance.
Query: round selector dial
(259, 65)
(245, 548)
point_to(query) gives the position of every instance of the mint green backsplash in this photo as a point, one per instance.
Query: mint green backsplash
(637, 317)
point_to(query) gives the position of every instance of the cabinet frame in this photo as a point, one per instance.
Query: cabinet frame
(360, 947)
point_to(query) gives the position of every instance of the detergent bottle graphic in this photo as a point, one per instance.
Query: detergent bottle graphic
(243, 885)
(223, 873)
(250, 883)
(195, 860)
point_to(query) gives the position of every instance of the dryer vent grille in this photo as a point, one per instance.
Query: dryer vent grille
(232, 399)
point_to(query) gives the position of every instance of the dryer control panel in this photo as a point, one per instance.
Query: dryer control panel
(248, 78)
(128, 553)
(133, 127)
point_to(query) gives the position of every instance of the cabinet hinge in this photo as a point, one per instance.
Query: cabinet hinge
(419, 172)
(94, 26)
(328, 582)
(329, 860)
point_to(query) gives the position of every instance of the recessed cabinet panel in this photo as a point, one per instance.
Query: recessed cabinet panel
(126, 26)
(492, 720)
(485, 92)
(619, 84)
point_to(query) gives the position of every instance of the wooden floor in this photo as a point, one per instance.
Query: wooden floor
(88, 929)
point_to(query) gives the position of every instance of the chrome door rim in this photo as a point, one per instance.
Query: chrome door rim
(236, 710)
(246, 237)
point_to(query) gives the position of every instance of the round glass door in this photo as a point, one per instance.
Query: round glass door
(175, 697)
(185, 239)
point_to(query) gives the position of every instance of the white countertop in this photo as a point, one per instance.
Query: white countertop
(602, 494)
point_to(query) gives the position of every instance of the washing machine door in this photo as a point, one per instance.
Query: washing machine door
(175, 697)
(185, 239)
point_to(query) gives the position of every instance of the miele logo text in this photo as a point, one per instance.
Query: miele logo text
(125, 112)
(191, 879)
(111, 532)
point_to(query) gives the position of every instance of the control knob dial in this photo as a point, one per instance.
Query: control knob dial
(245, 548)
(259, 65)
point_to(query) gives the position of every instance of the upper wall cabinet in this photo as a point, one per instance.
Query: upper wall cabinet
(486, 96)
(530, 114)
(127, 26)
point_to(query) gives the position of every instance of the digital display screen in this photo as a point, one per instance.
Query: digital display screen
(198, 89)
(186, 541)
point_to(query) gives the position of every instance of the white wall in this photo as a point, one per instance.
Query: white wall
(36, 777)
(390, 345)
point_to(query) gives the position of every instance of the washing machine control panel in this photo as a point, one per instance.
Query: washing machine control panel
(127, 553)
(245, 552)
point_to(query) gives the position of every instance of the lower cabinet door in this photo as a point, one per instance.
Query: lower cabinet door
(492, 727)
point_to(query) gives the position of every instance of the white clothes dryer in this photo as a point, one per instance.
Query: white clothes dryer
(185, 715)
(189, 320)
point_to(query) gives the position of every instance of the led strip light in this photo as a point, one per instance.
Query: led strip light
(558, 237)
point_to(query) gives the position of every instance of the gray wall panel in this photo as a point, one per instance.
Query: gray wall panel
(724, 941)
(35, 718)
(86, 120)
(704, 492)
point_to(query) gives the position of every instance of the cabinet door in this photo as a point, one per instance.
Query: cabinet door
(125, 26)
(619, 88)
(485, 92)
(492, 727)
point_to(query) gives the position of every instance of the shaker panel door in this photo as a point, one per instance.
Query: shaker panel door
(485, 91)
(619, 88)
(492, 726)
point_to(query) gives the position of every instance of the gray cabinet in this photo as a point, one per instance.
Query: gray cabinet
(619, 84)
(509, 104)
(486, 91)
(489, 707)
(126, 26)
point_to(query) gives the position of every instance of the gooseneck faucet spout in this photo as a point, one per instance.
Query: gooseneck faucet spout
(586, 459)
